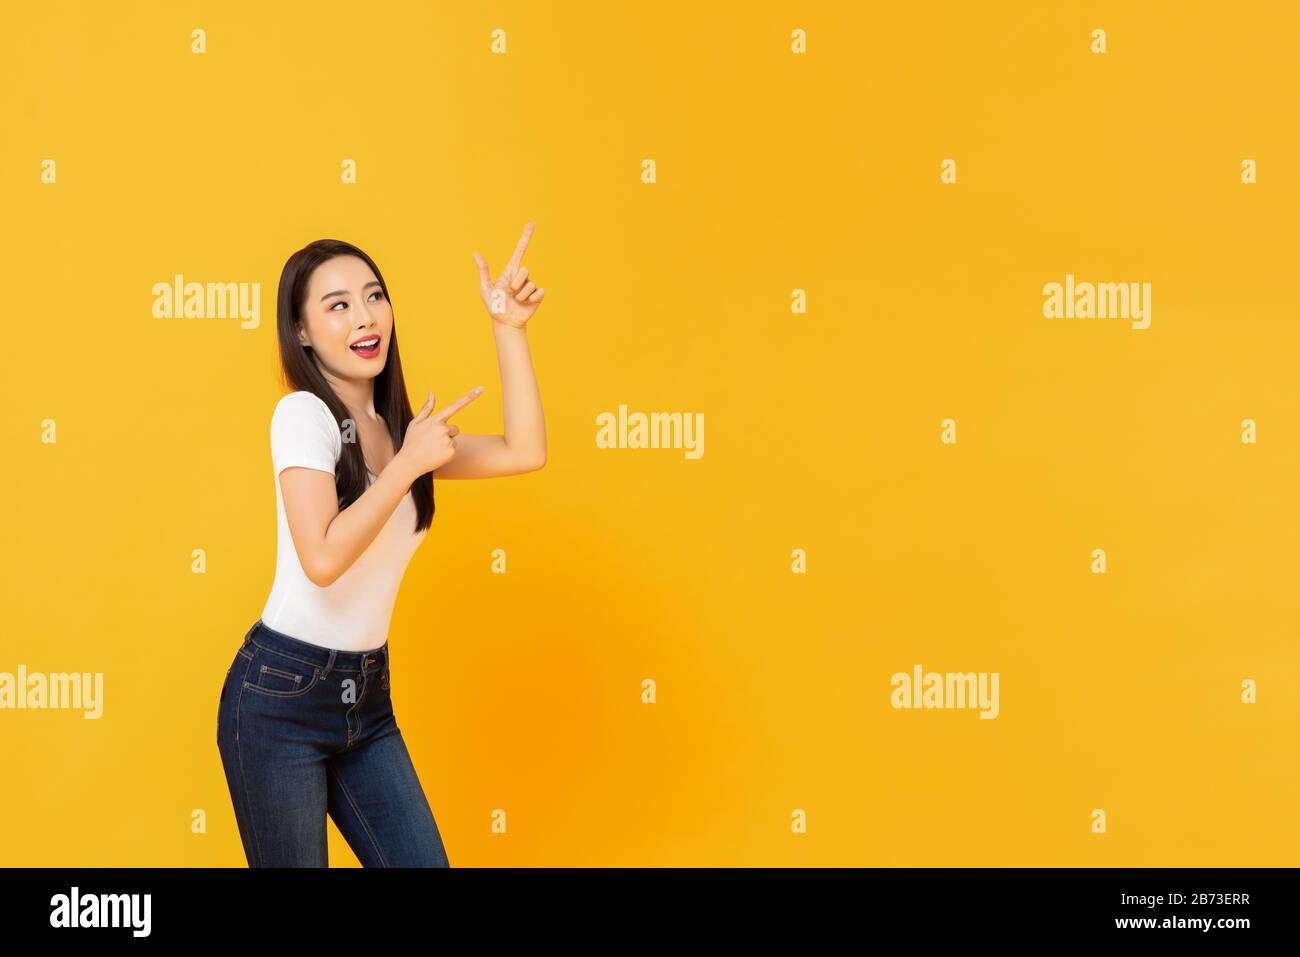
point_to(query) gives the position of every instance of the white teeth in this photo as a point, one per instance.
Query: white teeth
(365, 344)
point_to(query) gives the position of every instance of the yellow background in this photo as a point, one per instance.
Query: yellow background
(775, 172)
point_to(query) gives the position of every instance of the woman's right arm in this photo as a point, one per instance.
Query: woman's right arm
(329, 541)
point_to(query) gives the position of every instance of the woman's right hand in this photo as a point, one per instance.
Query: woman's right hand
(430, 442)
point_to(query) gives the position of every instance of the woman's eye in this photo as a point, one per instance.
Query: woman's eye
(343, 302)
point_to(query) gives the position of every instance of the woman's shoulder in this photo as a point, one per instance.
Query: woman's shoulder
(302, 412)
(303, 431)
(302, 402)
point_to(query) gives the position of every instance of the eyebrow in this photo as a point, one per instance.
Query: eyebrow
(344, 292)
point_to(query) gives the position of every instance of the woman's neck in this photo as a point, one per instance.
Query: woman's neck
(357, 397)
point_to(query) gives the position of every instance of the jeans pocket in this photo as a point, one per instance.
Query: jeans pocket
(279, 676)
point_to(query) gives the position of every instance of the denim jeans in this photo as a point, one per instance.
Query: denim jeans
(305, 730)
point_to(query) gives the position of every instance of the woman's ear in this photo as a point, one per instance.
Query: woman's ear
(302, 335)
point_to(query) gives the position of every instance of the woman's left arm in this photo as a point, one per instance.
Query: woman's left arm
(511, 300)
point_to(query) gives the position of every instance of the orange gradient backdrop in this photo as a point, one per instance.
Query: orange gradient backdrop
(775, 171)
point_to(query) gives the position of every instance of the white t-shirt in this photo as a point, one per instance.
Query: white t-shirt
(353, 613)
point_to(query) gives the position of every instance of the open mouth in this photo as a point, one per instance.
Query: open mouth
(366, 348)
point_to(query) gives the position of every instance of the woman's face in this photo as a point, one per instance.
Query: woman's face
(345, 306)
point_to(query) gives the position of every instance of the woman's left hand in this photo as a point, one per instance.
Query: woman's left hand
(513, 297)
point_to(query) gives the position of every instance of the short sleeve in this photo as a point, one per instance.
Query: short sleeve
(304, 433)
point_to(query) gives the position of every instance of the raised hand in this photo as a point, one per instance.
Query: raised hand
(430, 442)
(512, 297)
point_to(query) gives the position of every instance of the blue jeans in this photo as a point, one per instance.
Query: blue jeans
(305, 730)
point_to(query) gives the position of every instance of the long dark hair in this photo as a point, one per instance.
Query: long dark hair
(300, 373)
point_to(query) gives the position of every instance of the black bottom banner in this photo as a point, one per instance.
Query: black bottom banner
(573, 904)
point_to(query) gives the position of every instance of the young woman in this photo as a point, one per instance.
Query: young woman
(305, 722)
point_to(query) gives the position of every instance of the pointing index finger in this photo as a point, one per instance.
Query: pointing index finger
(459, 404)
(519, 249)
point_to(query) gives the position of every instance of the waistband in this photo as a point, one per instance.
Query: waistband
(327, 659)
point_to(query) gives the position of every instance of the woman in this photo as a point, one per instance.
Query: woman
(305, 722)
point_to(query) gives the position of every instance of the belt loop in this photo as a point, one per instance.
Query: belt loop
(330, 664)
